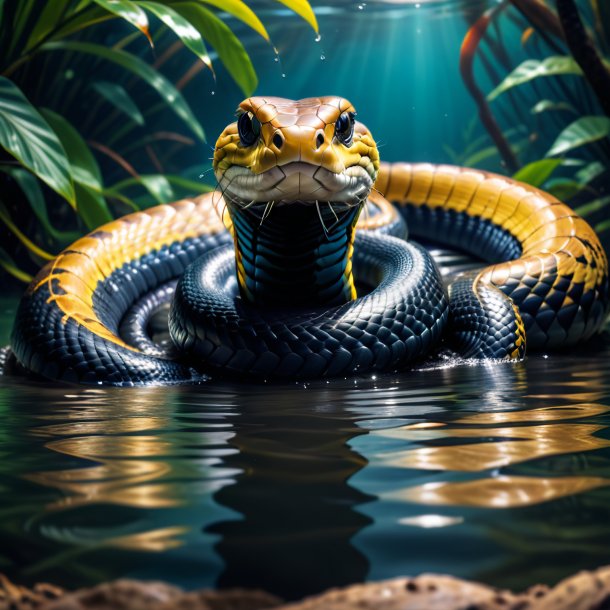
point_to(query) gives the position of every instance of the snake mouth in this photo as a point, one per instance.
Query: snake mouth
(295, 182)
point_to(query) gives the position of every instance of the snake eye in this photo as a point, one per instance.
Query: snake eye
(344, 128)
(249, 128)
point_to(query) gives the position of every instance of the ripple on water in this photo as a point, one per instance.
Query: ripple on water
(470, 470)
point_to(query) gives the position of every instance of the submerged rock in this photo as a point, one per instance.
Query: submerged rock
(583, 591)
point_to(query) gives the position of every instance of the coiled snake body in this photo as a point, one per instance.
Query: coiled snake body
(275, 295)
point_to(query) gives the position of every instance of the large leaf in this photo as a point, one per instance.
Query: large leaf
(241, 11)
(128, 10)
(116, 95)
(48, 18)
(538, 172)
(30, 186)
(230, 50)
(90, 204)
(583, 131)
(188, 34)
(27, 136)
(302, 8)
(172, 97)
(532, 69)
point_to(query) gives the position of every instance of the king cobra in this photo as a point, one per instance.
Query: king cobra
(277, 274)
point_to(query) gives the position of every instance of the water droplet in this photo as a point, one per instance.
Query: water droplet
(322, 57)
(318, 38)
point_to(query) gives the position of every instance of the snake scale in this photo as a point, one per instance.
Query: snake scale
(274, 280)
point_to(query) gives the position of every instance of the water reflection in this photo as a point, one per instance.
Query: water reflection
(294, 497)
(470, 470)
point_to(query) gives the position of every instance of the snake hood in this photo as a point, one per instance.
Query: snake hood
(309, 150)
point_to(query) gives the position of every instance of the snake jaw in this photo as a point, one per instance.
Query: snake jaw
(296, 182)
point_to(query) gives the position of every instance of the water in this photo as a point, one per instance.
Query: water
(493, 472)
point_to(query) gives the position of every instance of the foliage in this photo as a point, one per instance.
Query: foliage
(77, 94)
(548, 91)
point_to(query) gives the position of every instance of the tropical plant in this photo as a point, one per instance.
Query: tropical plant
(78, 94)
(557, 93)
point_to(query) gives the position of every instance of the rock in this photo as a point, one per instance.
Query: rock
(426, 592)
(138, 595)
(583, 591)
(13, 597)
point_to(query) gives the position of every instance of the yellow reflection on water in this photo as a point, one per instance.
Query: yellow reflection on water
(499, 492)
(498, 439)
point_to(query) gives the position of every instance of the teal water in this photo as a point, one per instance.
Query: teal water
(493, 472)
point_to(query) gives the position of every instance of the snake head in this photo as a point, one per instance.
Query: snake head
(284, 151)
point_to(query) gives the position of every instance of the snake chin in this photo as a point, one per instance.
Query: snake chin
(296, 182)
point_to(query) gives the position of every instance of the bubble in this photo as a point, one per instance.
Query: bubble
(283, 75)
(417, 5)
(212, 92)
(276, 59)
(318, 38)
(322, 57)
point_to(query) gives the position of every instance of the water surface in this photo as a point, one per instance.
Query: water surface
(495, 472)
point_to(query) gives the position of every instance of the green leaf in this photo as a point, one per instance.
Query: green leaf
(129, 11)
(90, 204)
(156, 184)
(480, 156)
(22, 237)
(564, 189)
(189, 35)
(550, 105)
(583, 131)
(593, 206)
(116, 95)
(172, 97)
(90, 16)
(27, 136)
(590, 171)
(602, 226)
(230, 50)
(532, 69)
(8, 264)
(538, 172)
(30, 186)
(92, 207)
(193, 187)
(241, 11)
(49, 17)
(302, 8)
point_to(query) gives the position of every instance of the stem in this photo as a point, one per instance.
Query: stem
(584, 52)
(467, 54)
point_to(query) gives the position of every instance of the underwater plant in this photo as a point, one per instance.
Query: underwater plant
(554, 93)
(77, 98)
